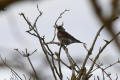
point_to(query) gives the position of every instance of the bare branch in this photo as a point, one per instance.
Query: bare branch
(40, 13)
(4, 62)
(60, 16)
(61, 76)
(112, 64)
(107, 20)
(26, 54)
(101, 52)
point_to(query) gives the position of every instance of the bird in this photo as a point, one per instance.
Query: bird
(64, 37)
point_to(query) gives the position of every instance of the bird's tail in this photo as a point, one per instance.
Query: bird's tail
(77, 41)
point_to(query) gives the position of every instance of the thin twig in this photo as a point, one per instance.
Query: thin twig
(99, 66)
(101, 50)
(108, 20)
(112, 64)
(4, 62)
(92, 46)
(40, 14)
(70, 60)
(36, 76)
(26, 54)
(60, 16)
(51, 42)
(59, 64)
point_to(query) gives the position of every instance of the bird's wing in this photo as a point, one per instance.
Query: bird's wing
(69, 36)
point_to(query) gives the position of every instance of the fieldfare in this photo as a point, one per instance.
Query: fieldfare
(64, 37)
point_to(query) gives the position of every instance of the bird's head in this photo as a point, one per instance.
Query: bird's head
(60, 28)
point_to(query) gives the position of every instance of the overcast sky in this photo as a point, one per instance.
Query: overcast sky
(80, 21)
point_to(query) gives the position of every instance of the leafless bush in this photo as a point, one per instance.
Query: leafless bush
(54, 58)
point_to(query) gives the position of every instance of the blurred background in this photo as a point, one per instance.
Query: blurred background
(80, 21)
